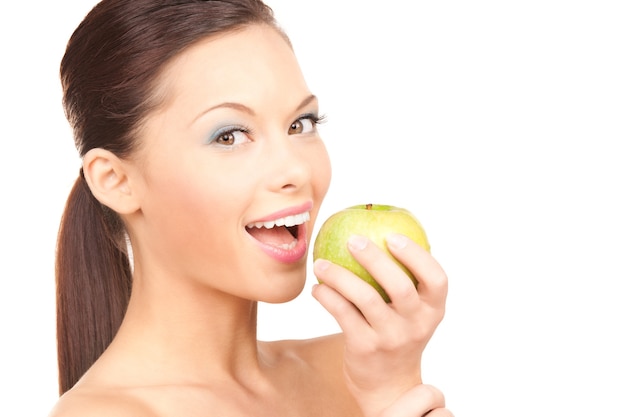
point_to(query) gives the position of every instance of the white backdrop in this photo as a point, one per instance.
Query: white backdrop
(501, 125)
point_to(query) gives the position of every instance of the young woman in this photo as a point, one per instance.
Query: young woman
(202, 175)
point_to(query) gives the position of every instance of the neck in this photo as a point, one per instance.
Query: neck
(192, 333)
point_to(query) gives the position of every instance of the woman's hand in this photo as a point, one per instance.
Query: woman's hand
(384, 341)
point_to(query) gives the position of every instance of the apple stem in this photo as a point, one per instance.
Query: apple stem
(368, 206)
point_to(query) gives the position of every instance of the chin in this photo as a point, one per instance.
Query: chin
(285, 291)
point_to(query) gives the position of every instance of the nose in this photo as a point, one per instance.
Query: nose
(288, 167)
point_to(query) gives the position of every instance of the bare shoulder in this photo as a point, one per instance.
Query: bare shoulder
(322, 356)
(84, 402)
(319, 362)
(319, 349)
(326, 348)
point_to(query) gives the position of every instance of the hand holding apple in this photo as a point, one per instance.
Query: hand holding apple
(374, 221)
(383, 341)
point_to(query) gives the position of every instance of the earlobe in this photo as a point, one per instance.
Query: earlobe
(108, 179)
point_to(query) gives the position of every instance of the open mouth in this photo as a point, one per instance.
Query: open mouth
(282, 233)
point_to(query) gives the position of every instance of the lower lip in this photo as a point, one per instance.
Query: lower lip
(287, 256)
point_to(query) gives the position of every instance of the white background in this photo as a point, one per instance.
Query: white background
(500, 124)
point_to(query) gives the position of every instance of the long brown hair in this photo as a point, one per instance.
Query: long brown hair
(109, 74)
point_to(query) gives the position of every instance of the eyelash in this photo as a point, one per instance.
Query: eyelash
(312, 118)
(316, 119)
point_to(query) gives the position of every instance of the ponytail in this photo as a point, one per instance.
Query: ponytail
(93, 280)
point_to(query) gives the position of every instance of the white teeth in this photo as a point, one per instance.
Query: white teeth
(284, 221)
(289, 246)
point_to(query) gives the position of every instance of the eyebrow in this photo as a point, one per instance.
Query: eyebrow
(306, 101)
(245, 109)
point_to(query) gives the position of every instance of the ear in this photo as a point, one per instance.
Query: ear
(109, 181)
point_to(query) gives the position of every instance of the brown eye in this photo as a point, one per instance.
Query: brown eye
(296, 127)
(231, 137)
(303, 125)
(226, 139)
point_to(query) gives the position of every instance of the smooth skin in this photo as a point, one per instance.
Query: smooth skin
(234, 142)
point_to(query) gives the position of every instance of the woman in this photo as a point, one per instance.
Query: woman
(202, 164)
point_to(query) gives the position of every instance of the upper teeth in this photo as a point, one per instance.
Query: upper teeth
(284, 221)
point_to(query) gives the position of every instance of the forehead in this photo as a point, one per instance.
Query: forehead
(233, 66)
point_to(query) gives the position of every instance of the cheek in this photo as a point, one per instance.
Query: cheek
(320, 179)
(322, 172)
(184, 213)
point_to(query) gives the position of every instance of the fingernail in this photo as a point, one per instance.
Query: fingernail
(397, 241)
(321, 265)
(356, 242)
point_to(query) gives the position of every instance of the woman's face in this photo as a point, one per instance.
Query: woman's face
(234, 148)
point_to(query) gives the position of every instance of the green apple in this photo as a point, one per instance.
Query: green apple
(375, 221)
